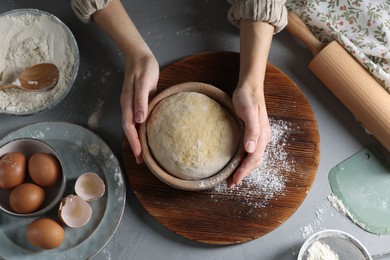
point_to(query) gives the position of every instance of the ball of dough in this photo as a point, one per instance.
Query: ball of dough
(191, 135)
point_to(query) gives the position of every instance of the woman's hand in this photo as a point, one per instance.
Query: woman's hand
(248, 98)
(141, 69)
(250, 106)
(140, 84)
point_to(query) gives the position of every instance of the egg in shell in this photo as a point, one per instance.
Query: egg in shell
(44, 169)
(12, 170)
(26, 198)
(89, 186)
(74, 211)
(45, 233)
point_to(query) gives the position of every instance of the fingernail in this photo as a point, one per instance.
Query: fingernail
(233, 184)
(139, 117)
(250, 146)
(138, 160)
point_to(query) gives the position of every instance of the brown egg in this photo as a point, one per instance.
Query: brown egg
(44, 169)
(45, 233)
(26, 198)
(12, 170)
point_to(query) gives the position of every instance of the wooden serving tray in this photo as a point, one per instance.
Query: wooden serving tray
(216, 217)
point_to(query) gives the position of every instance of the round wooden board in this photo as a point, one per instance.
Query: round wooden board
(229, 217)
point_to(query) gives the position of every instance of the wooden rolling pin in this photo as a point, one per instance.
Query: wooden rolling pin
(364, 97)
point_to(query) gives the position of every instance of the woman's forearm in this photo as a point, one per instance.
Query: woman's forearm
(115, 22)
(255, 43)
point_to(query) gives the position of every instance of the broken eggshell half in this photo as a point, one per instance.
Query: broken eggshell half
(74, 211)
(89, 186)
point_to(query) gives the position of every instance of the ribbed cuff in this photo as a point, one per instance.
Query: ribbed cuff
(273, 12)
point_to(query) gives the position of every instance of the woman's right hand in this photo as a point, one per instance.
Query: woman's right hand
(139, 86)
(141, 69)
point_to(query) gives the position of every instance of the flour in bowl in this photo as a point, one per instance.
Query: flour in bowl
(28, 39)
(320, 251)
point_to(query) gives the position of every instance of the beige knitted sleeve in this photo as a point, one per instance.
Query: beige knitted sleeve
(271, 11)
(85, 8)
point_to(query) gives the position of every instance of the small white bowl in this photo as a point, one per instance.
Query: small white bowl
(343, 244)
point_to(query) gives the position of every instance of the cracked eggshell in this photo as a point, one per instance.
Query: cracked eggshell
(90, 186)
(74, 211)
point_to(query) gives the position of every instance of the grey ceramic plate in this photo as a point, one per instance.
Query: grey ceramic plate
(81, 151)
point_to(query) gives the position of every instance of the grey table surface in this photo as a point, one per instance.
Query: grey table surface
(175, 29)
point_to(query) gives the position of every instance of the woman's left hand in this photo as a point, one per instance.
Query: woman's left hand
(248, 98)
(250, 106)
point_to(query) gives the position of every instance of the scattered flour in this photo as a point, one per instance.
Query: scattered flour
(319, 217)
(94, 118)
(320, 251)
(267, 181)
(93, 148)
(26, 40)
(307, 231)
(338, 204)
(107, 254)
(340, 207)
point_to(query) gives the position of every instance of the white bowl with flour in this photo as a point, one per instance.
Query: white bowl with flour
(31, 36)
(333, 244)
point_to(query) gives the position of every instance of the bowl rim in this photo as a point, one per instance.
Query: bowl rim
(76, 64)
(333, 233)
(62, 186)
(225, 101)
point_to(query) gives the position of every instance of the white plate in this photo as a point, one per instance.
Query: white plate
(81, 151)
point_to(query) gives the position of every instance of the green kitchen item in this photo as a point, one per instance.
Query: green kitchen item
(362, 184)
